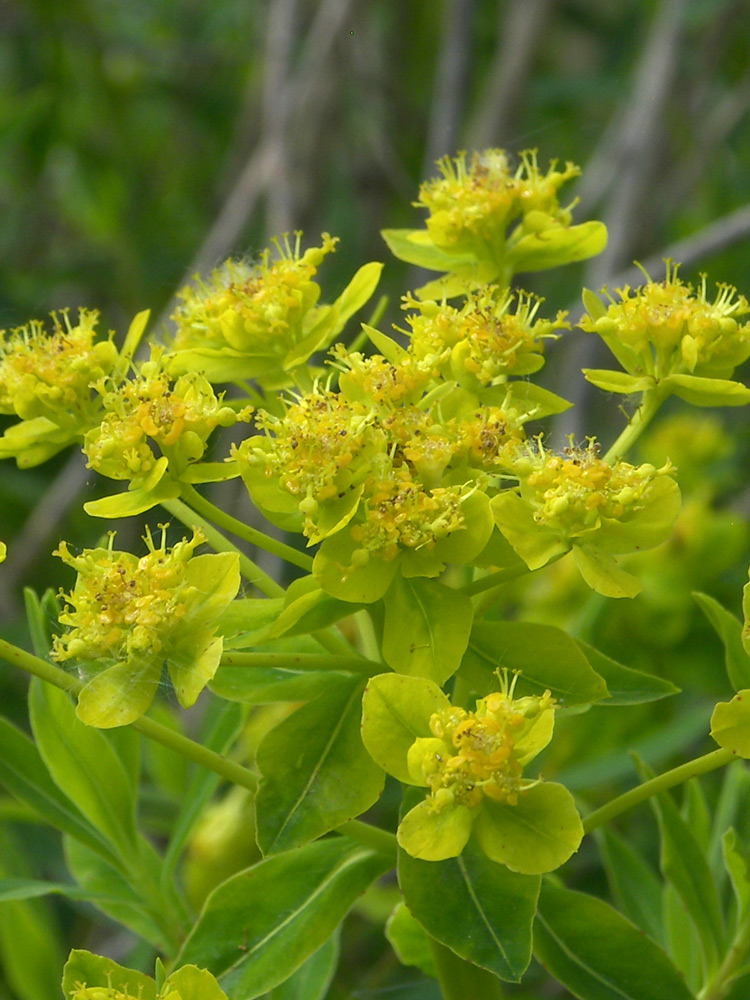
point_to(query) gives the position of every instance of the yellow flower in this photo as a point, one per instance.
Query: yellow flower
(46, 380)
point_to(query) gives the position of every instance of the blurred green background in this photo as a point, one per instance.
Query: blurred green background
(142, 142)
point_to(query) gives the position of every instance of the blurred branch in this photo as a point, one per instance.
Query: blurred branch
(449, 84)
(280, 33)
(635, 153)
(520, 28)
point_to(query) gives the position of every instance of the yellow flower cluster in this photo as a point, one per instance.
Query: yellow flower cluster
(573, 491)
(46, 378)
(480, 198)
(122, 605)
(673, 327)
(253, 307)
(485, 339)
(401, 512)
(177, 417)
(473, 754)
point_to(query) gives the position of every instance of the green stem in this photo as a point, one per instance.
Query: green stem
(459, 979)
(236, 527)
(652, 400)
(693, 768)
(301, 661)
(252, 573)
(155, 731)
(718, 986)
(371, 836)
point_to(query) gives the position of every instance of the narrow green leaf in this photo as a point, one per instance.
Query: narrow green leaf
(316, 773)
(23, 773)
(626, 686)
(410, 940)
(387, 346)
(479, 909)
(598, 954)
(426, 628)
(402, 244)
(635, 886)
(737, 863)
(84, 766)
(729, 630)
(593, 304)
(700, 391)
(547, 658)
(614, 381)
(557, 246)
(259, 926)
(684, 865)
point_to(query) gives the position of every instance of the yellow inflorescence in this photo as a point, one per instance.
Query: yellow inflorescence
(50, 374)
(485, 337)
(121, 604)
(250, 307)
(481, 197)
(573, 490)
(685, 329)
(473, 754)
(178, 417)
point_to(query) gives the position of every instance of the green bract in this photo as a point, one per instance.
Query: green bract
(129, 617)
(472, 763)
(92, 977)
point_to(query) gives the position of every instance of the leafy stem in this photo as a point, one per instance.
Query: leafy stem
(650, 404)
(718, 985)
(199, 503)
(252, 573)
(669, 779)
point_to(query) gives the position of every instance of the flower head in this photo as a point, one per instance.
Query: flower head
(486, 339)
(670, 327)
(472, 764)
(129, 615)
(46, 379)
(260, 320)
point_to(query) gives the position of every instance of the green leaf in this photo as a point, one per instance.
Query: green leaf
(265, 685)
(415, 247)
(626, 686)
(547, 658)
(95, 970)
(535, 544)
(426, 628)
(597, 954)
(737, 863)
(312, 979)
(396, 710)
(730, 724)
(84, 766)
(261, 925)
(246, 619)
(435, 834)
(24, 774)
(707, 391)
(684, 865)
(309, 612)
(729, 630)
(634, 884)
(387, 346)
(409, 940)
(614, 381)
(593, 304)
(316, 773)
(133, 502)
(537, 835)
(192, 983)
(601, 572)
(477, 908)
(118, 896)
(535, 399)
(557, 245)
(334, 572)
(120, 694)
